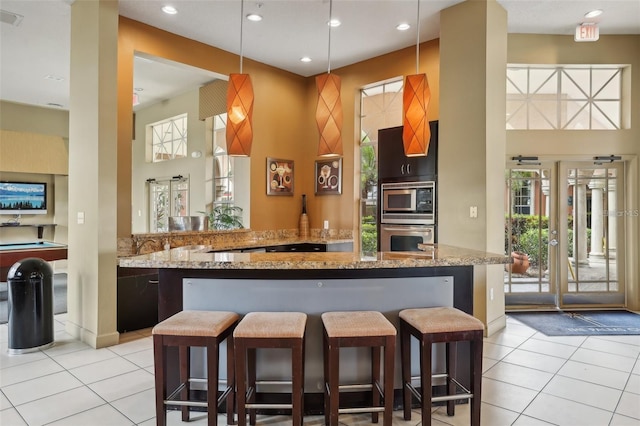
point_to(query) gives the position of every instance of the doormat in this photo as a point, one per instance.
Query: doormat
(581, 323)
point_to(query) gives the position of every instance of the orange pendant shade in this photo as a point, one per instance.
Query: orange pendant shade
(329, 115)
(239, 115)
(416, 132)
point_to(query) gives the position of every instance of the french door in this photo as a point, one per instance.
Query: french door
(565, 230)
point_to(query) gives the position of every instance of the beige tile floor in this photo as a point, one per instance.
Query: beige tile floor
(529, 379)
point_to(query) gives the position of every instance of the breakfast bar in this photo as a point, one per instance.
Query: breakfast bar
(196, 278)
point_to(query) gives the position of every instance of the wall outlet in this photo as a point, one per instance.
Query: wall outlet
(473, 212)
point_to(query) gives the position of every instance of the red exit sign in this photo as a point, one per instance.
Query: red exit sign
(587, 32)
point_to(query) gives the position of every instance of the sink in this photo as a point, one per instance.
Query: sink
(188, 223)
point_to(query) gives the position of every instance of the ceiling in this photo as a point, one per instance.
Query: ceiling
(34, 55)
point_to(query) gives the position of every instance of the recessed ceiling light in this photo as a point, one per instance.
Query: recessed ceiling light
(593, 13)
(254, 17)
(169, 10)
(403, 27)
(334, 22)
(305, 59)
(138, 89)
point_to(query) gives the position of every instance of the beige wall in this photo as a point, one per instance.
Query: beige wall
(472, 138)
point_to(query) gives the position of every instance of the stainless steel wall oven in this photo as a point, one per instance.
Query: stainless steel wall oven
(407, 215)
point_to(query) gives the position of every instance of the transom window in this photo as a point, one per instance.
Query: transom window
(168, 138)
(567, 97)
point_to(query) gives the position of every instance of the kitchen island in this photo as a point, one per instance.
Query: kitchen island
(195, 278)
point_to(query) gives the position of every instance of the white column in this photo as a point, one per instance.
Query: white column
(612, 207)
(93, 201)
(597, 223)
(580, 224)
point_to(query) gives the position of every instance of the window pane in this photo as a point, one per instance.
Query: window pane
(606, 84)
(589, 97)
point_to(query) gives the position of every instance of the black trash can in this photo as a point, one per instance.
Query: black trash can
(30, 285)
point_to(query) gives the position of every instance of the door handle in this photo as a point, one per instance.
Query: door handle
(408, 169)
(402, 169)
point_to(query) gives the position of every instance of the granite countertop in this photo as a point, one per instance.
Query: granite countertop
(198, 257)
(257, 243)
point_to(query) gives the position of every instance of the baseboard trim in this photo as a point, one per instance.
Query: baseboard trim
(496, 325)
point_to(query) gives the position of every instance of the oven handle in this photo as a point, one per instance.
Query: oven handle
(408, 228)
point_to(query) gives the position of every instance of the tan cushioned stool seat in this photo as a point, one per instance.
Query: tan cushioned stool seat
(196, 323)
(440, 320)
(272, 325)
(357, 324)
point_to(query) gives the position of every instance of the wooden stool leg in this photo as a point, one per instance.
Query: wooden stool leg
(452, 350)
(302, 378)
(212, 381)
(159, 357)
(476, 379)
(325, 364)
(389, 365)
(405, 355)
(425, 379)
(334, 392)
(297, 384)
(231, 382)
(375, 380)
(185, 363)
(241, 380)
(251, 382)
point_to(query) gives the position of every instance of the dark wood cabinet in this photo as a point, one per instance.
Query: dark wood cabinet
(393, 165)
(137, 298)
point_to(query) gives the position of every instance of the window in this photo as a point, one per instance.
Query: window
(380, 107)
(168, 138)
(566, 97)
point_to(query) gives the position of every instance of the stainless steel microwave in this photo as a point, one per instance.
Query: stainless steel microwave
(408, 203)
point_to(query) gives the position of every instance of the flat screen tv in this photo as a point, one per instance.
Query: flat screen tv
(23, 198)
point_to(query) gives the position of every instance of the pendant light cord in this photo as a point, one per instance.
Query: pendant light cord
(329, 50)
(418, 40)
(241, 23)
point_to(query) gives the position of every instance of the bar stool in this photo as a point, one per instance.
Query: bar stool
(358, 329)
(433, 325)
(269, 330)
(187, 329)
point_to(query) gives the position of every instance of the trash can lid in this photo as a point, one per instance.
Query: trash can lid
(28, 267)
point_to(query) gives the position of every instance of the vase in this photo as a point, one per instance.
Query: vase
(303, 225)
(520, 262)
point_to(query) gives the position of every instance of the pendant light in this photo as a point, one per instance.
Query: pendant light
(329, 108)
(239, 107)
(415, 101)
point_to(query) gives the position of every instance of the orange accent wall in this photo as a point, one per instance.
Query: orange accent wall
(284, 122)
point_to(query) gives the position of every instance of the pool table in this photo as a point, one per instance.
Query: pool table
(11, 253)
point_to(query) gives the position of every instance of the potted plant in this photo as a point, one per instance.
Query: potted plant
(520, 262)
(225, 217)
